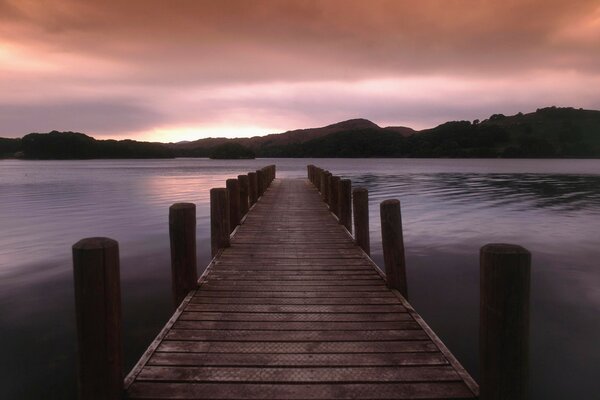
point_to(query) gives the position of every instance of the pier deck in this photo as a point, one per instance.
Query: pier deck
(295, 310)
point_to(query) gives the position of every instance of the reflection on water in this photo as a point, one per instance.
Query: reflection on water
(450, 208)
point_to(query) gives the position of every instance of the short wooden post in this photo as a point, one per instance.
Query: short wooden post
(504, 322)
(260, 177)
(233, 188)
(219, 220)
(317, 178)
(333, 195)
(182, 232)
(345, 203)
(393, 246)
(244, 190)
(98, 315)
(252, 188)
(360, 204)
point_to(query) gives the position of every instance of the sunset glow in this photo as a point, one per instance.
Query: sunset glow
(192, 69)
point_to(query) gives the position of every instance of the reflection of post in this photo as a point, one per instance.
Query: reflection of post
(504, 321)
(243, 179)
(98, 315)
(219, 220)
(182, 233)
(345, 203)
(233, 188)
(393, 246)
(252, 188)
(360, 204)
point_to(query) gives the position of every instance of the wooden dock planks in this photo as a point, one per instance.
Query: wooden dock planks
(294, 310)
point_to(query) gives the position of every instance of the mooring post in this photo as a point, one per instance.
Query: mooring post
(345, 203)
(333, 195)
(323, 185)
(182, 234)
(252, 188)
(219, 220)
(360, 205)
(317, 178)
(233, 188)
(504, 322)
(244, 190)
(98, 316)
(393, 246)
(260, 177)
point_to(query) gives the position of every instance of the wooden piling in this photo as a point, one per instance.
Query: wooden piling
(260, 177)
(98, 316)
(219, 220)
(504, 322)
(360, 204)
(233, 188)
(345, 203)
(333, 195)
(244, 190)
(252, 188)
(182, 233)
(393, 246)
(323, 187)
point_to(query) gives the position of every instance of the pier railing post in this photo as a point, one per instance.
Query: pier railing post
(260, 177)
(244, 189)
(333, 195)
(182, 234)
(252, 188)
(504, 322)
(98, 315)
(345, 203)
(219, 220)
(233, 188)
(393, 246)
(317, 178)
(325, 186)
(360, 204)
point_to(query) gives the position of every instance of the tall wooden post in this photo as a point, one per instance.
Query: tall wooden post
(345, 203)
(219, 220)
(504, 322)
(98, 315)
(393, 246)
(252, 188)
(182, 232)
(233, 188)
(317, 178)
(244, 189)
(333, 195)
(360, 204)
(323, 185)
(260, 177)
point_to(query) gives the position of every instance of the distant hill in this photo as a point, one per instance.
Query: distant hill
(547, 132)
(72, 145)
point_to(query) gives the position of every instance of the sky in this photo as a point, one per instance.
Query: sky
(183, 70)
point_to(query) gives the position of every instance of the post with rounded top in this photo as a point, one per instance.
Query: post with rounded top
(345, 203)
(244, 189)
(334, 195)
(504, 321)
(393, 246)
(260, 177)
(98, 315)
(252, 188)
(182, 234)
(219, 220)
(360, 205)
(233, 188)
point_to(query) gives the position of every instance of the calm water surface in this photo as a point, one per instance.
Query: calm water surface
(450, 208)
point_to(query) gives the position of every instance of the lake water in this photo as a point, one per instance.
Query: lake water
(450, 208)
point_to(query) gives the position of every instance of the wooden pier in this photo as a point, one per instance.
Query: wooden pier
(291, 307)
